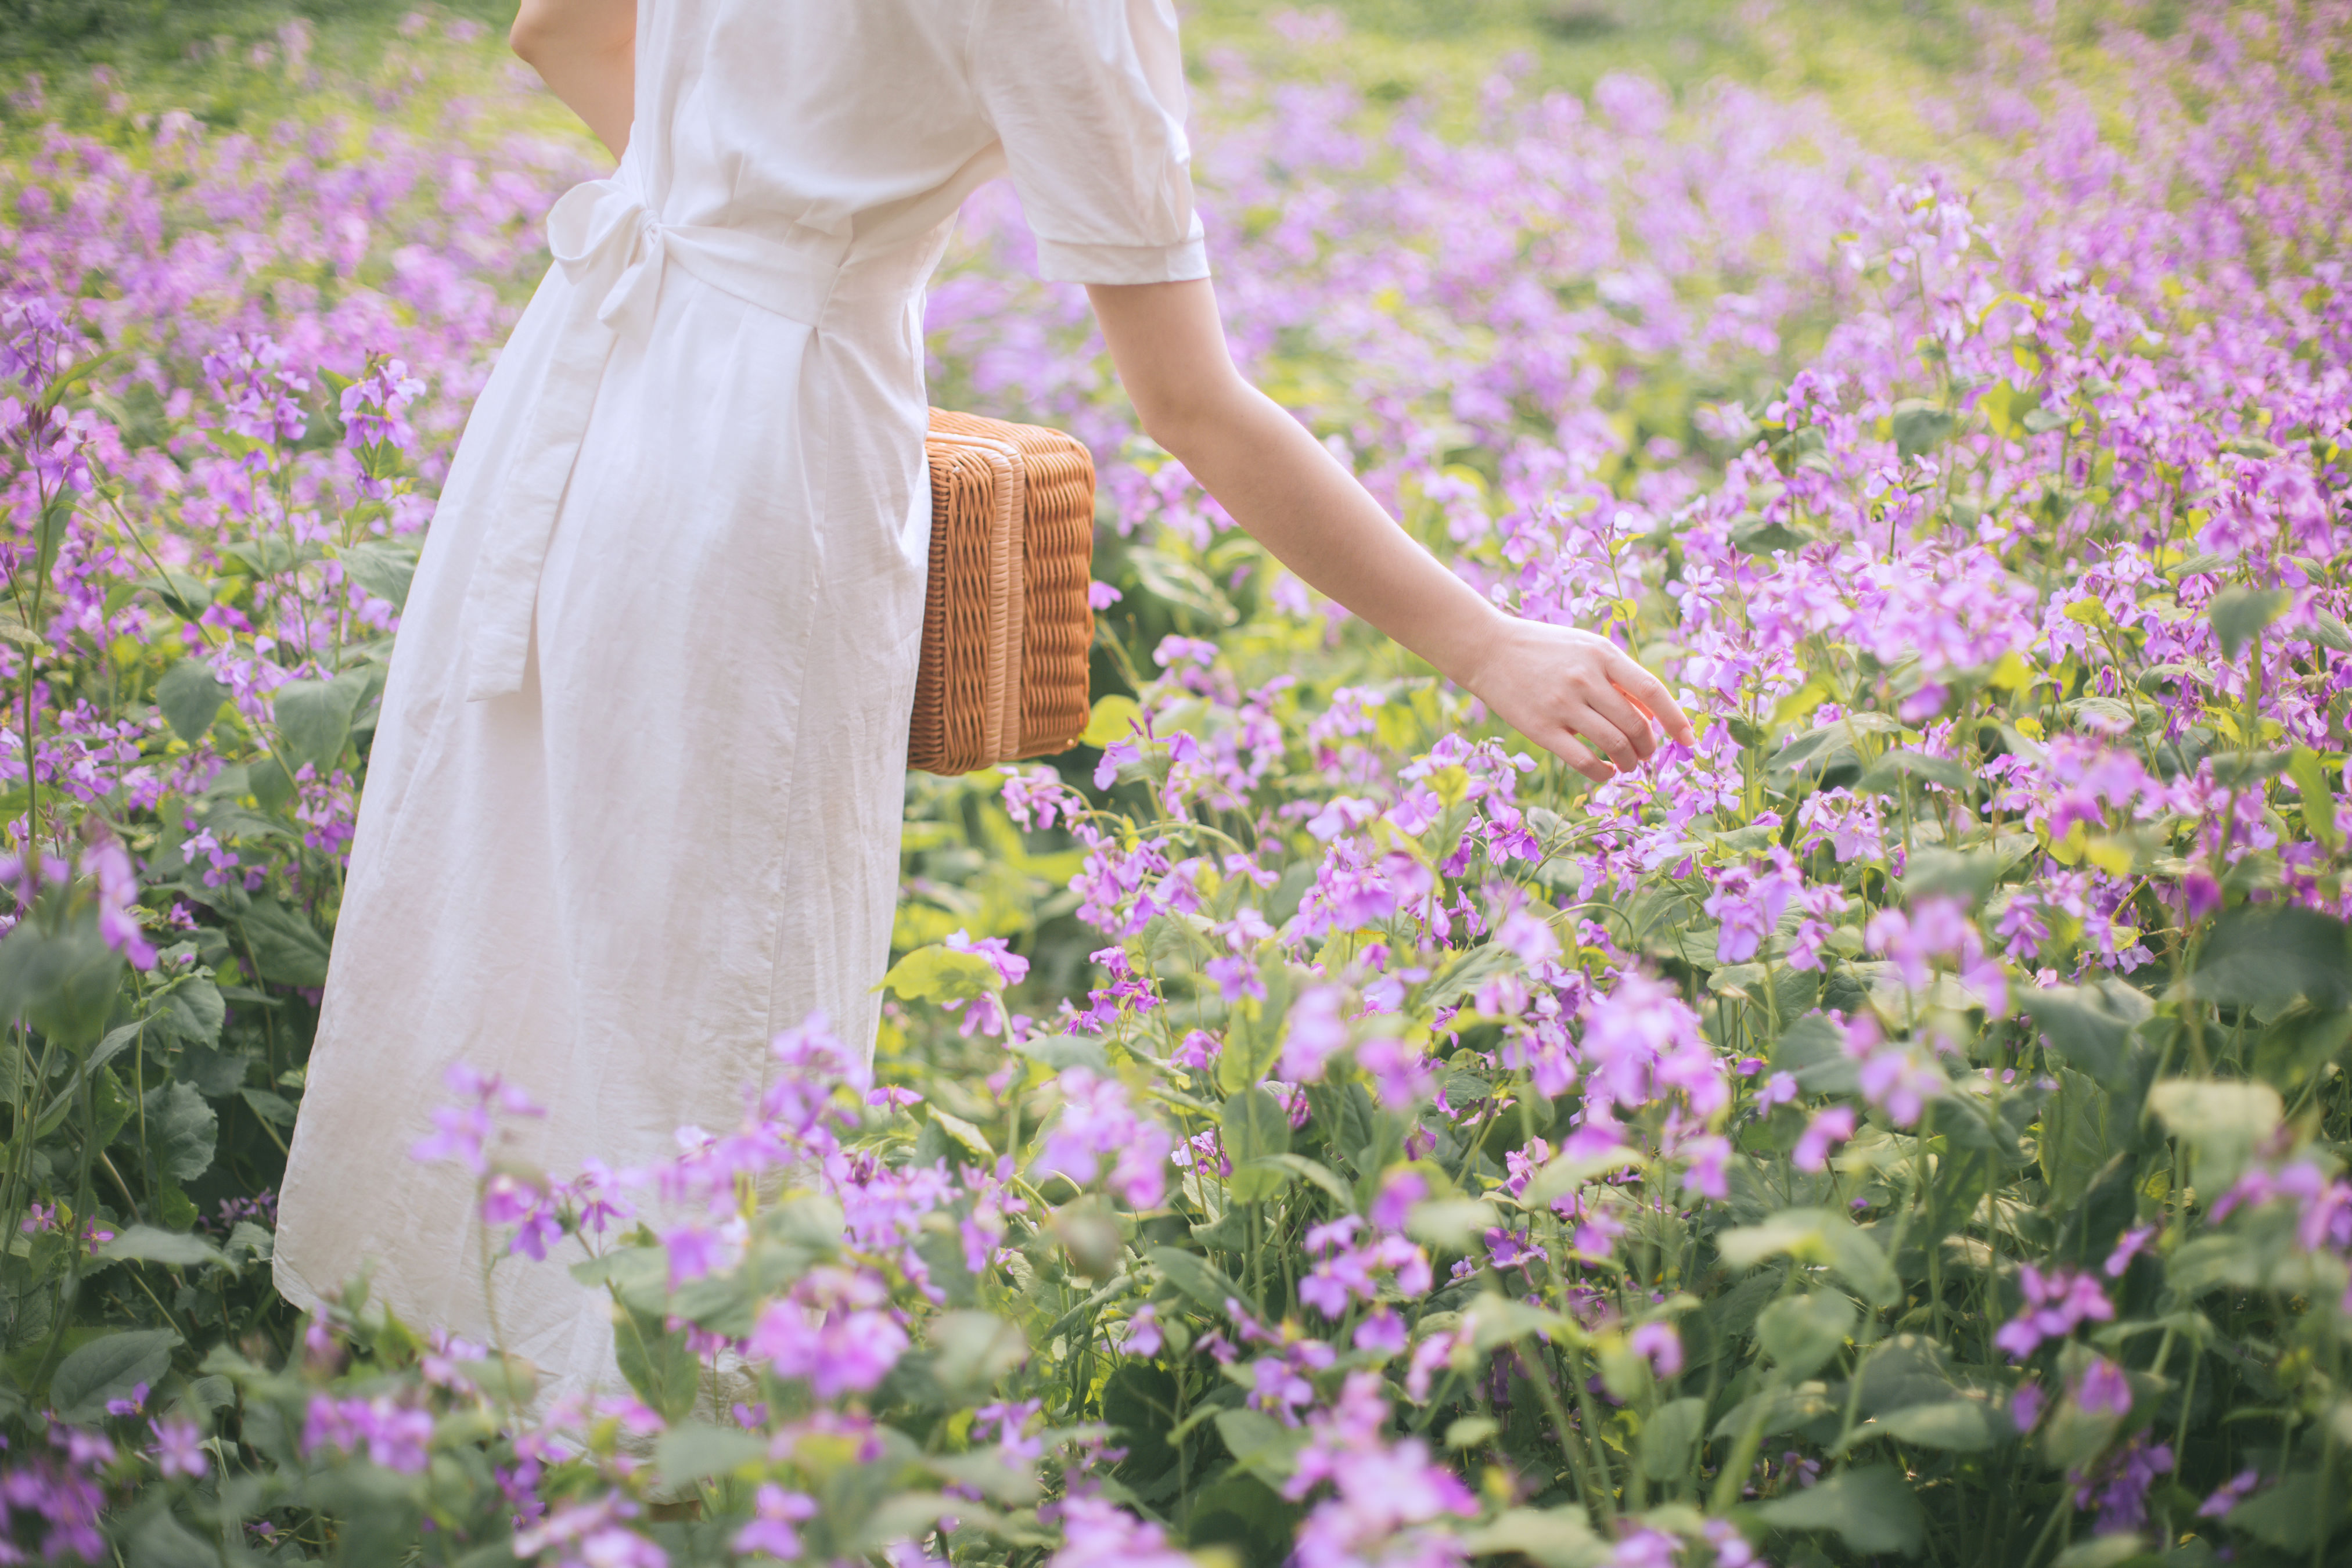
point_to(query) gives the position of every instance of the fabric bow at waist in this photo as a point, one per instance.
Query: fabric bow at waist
(614, 253)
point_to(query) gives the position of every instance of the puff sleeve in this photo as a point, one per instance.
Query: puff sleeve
(1088, 97)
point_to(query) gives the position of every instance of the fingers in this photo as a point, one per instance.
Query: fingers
(1651, 693)
(1577, 755)
(1600, 734)
(1625, 716)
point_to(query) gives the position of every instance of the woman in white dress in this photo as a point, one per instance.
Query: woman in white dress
(634, 801)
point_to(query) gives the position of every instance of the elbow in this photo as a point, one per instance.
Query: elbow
(528, 38)
(1180, 419)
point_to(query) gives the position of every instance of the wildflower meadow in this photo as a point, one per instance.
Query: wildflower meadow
(1311, 1127)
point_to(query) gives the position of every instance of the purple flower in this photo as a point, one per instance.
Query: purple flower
(774, 1512)
(1662, 1344)
(1099, 1135)
(2054, 1303)
(832, 1330)
(1317, 1034)
(2104, 1389)
(180, 1450)
(1825, 1128)
(1098, 1533)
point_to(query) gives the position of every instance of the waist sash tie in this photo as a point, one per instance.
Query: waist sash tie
(613, 254)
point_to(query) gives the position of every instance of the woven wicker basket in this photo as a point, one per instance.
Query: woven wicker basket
(1006, 623)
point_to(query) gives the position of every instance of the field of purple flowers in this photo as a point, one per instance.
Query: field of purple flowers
(1307, 1127)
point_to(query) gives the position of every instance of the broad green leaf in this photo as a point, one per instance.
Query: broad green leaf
(1801, 1333)
(693, 1450)
(940, 974)
(1963, 1426)
(1452, 1224)
(2222, 1121)
(1181, 584)
(314, 718)
(2310, 776)
(146, 1244)
(2090, 1026)
(1254, 1126)
(384, 569)
(1918, 427)
(189, 696)
(62, 982)
(1873, 1509)
(1057, 1053)
(1812, 1051)
(2267, 955)
(1113, 716)
(2286, 1516)
(160, 1541)
(181, 1131)
(1551, 1538)
(656, 1361)
(1815, 1236)
(1258, 1442)
(969, 1351)
(286, 948)
(1667, 1436)
(1204, 1281)
(2239, 614)
(109, 1368)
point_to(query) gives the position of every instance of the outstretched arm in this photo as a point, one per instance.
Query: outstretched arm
(1573, 692)
(587, 52)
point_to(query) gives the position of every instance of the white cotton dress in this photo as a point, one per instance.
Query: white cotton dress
(635, 796)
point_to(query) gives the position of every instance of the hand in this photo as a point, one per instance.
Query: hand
(1577, 695)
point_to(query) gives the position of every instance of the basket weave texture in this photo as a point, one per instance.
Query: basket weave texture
(1007, 622)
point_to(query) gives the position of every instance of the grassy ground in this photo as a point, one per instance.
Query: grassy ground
(1872, 60)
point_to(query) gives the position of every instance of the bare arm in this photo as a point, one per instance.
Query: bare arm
(1572, 692)
(587, 52)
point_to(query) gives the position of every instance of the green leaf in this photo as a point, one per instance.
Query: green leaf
(1254, 1126)
(1181, 584)
(1919, 427)
(384, 569)
(189, 696)
(1057, 1053)
(1552, 1537)
(1962, 1426)
(2288, 1516)
(695, 1449)
(1801, 1333)
(62, 982)
(1260, 1443)
(2223, 1121)
(657, 1362)
(109, 1368)
(1452, 1224)
(1951, 874)
(2239, 614)
(286, 948)
(275, 1109)
(197, 1009)
(1871, 1508)
(1815, 1236)
(1761, 536)
(145, 1244)
(160, 1541)
(2310, 776)
(181, 1131)
(940, 974)
(1667, 1436)
(1812, 1051)
(1204, 1281)
(2267, 955)
(970, 1350)
(1900, 764)
(2090, 1026)
(314, 718)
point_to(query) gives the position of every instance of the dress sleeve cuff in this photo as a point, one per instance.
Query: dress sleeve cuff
(1059, 261)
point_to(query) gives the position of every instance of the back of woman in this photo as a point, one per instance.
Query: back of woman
(635, 797)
